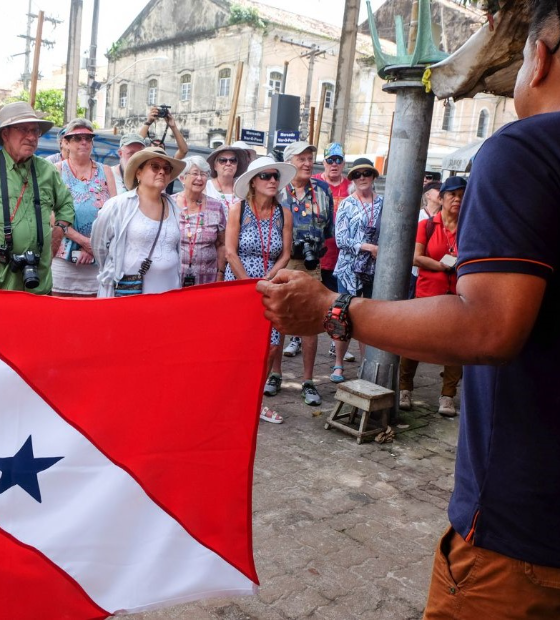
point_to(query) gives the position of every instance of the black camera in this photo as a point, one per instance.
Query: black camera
(27, 263)
(163, 111)
(309, 249)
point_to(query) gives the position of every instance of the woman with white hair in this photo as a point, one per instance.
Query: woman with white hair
(203, 224)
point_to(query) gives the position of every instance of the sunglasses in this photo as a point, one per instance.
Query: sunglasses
(361, 173)
(167, 169)
(336, 159)
(227, 160)
(429, 177)
(266, 176)
(80, 137)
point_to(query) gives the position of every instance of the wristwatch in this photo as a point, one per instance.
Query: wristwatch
(337, 323)
(63, 226)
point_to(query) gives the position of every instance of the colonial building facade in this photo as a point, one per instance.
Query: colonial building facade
(187, 54)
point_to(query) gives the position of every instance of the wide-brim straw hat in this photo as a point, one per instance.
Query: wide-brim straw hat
(243, 183)
(363, 163)
(21, 112)
(151, 152)
(242, 158)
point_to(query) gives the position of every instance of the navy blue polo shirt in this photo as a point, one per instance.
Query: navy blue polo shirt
(507, 486)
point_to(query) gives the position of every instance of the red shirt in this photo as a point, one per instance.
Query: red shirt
(339, 193)
(442, 242)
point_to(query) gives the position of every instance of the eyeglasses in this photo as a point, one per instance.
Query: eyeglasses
(335, 159)
(429, 177)
(227, 160)
(197, 174)
(25, 130)
(266, 176)
(167, 169)
(361, 173)
(80, 137)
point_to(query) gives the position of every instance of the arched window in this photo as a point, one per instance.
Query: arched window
(224, 79)
(274, 82)
(123, 95)
(483, 119)
(186, 85)
(448, 116)
(152, 92)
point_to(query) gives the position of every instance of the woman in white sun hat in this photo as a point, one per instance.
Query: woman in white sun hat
(259, 233)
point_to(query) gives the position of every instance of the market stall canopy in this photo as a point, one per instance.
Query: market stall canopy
(461, 159)
(489, 60)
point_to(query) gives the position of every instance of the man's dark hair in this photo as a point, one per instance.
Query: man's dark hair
(545, 20)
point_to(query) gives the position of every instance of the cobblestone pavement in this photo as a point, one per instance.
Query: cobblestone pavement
(342, 530)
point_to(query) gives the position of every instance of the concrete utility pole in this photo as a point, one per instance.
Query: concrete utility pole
(344, 70)
(73, 60)
(92, 62)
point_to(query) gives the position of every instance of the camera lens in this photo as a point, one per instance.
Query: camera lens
(30, 276)
(310, 259)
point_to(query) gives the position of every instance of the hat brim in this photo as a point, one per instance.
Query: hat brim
(361, 167)
(145, 155)
(44, 126)
(79, 131)
(242, 158)
(243, 183)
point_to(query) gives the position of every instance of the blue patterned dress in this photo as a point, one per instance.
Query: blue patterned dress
(250, 249)
(352, 220)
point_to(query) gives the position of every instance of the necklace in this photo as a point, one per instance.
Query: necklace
(369, 215)
(301, 203)
(223, 195)
(85, 177)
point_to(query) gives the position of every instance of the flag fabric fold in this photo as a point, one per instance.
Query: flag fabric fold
(127, 439)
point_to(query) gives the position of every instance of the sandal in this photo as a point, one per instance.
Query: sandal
(337, 378)
(271, 416)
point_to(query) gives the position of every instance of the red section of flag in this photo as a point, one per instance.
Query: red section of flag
(53, 596)
(167, 386)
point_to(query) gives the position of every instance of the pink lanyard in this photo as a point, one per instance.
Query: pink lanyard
(370, 215)
(267, 254)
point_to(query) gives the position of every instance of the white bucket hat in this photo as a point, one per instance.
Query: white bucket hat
(287, 173)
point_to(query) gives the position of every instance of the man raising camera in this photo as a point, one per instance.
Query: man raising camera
(31, 190)
(311, 203)
(164, 112)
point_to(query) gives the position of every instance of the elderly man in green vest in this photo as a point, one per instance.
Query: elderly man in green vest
(31, 192)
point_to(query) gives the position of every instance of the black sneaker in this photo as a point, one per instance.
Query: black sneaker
(273, 384)
(310, 394)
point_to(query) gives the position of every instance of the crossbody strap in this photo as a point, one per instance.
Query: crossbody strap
(147, 262)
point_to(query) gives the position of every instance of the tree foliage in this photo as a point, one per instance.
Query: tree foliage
(51, 102)
(245, 15)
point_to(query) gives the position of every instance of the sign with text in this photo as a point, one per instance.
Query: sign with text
(283, 138)
(250, 136)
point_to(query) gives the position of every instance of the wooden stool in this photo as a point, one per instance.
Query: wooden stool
(365, 396)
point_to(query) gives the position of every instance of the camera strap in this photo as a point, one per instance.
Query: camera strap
(8, 237)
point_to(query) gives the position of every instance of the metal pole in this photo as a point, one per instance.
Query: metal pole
(92, 61)
(37, 54)
(73, 60)
(344, 72)
(284, 77)
(409, 149)
(26, 68)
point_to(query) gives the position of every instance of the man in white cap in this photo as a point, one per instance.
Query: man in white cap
(311, 203)
(130, 143)
(31, 190)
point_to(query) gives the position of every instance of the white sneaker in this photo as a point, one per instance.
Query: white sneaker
(447, 407)
(405, 400)
(349, 357)
(294, 347)
(332, 350)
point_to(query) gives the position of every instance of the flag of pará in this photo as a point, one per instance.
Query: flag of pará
(127, 439)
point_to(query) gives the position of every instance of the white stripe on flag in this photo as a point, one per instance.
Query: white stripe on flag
(96, 522)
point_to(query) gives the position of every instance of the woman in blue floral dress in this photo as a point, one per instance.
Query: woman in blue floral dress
(91, 185)
(357, 233)
(259, 234)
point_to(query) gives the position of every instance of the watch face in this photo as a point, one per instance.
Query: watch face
(335, 328)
